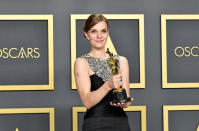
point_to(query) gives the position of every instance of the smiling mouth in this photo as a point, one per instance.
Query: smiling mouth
(99, 40)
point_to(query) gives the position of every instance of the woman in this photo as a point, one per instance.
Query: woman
(95, 82)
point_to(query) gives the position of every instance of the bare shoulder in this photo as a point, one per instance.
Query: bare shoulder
(81, 62)
(123, 59)
(123, 63)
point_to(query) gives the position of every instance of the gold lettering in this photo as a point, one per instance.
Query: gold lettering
(15, 53)
(0, 53)
(11, 54)
(37, 52)
(186, 50)
(22, 53)
(175, 52)
(29, 52)
(5, 52)
(194, 47)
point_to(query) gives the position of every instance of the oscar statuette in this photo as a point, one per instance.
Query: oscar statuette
(119, 94)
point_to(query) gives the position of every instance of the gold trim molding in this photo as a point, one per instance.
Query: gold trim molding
(164, 19)
(50, 86)
(142, 109)
(50, 111)
(168, 108)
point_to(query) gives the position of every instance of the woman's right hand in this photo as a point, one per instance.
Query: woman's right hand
(115, 81)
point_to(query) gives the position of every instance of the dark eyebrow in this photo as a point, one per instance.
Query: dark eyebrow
(92, 29)
(102, 29)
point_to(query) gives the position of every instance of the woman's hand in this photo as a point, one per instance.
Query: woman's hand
(115, 81)
(123, 105)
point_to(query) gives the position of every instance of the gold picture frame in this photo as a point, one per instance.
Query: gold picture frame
(139, 17)
(50, 85)
(168, 108)
(164, 18)
(50, 111)
(142, 109)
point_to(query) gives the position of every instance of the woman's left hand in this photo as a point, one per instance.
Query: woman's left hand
(122, 105)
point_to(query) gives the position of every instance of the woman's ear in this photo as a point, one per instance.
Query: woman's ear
(86, 35)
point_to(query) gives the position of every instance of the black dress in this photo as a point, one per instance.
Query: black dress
(103, 116)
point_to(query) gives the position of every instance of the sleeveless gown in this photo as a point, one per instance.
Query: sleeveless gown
(103, 116)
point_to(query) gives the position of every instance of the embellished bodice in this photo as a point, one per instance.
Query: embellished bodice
(100, 66)
(102, 73)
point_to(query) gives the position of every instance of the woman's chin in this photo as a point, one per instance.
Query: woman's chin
(100, 47)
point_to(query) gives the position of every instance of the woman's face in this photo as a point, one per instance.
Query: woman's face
(98, 35)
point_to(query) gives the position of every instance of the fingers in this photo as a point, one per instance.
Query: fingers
(132, 99)
(122, 105)
(128, 103)
(117, 84)
(118, 76)
(113, 104)
(117, 80)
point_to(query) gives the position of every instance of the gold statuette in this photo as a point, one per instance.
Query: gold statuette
(119, 94)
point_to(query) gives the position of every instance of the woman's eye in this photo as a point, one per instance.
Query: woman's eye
(104, 31)
(93, 31)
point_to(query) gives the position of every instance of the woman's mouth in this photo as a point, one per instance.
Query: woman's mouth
(99, 41)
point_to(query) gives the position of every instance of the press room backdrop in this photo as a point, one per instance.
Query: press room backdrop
(175, 65)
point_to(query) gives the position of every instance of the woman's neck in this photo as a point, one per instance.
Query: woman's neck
(98, 53)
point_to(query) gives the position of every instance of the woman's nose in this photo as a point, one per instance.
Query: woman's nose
(99, 35)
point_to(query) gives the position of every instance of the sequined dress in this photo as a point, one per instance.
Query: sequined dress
(103, 116)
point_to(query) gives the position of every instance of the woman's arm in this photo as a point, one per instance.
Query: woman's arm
(82, 78)
(124, 71)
